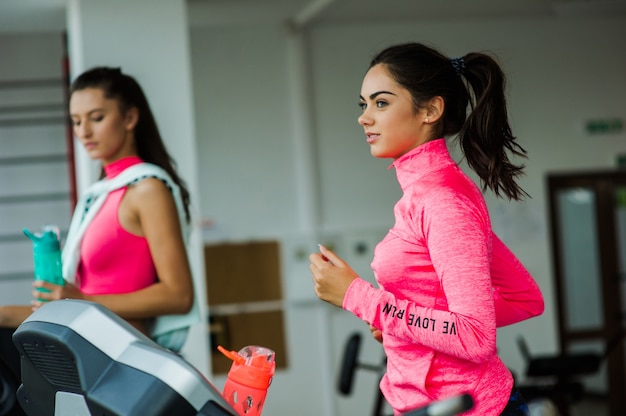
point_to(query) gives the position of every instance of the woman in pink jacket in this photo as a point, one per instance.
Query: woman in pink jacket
(445, 280)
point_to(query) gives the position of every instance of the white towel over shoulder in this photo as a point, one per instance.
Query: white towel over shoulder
(89, 205)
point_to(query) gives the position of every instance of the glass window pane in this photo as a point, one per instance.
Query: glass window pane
(581, 269)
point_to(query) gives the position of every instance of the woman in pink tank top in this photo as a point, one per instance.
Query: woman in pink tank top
(132, 256)
(445, 281)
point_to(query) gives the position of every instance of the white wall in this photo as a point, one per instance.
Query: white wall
(244, 142)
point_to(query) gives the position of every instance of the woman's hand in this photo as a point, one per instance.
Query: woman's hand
(55, 292)
(331, 276)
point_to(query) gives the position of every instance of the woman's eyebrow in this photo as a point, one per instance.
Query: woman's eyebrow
(95, 110)
(376, 94)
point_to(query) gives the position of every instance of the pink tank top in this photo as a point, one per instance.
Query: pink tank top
(112, 260)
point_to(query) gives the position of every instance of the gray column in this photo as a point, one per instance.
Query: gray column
(148, 39)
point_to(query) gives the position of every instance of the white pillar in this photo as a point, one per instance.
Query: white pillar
(305, 152)
(308, 192)
(148, 39)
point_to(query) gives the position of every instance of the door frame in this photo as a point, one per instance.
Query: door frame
(603, 184)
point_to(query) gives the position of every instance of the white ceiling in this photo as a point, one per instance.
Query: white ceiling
(49, 15)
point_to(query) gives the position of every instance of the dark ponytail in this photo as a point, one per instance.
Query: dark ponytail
(128, 93)
(485, 135)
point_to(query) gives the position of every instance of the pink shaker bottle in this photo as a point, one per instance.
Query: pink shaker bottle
(249, 378)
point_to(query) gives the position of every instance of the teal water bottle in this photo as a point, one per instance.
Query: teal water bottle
(47, 255)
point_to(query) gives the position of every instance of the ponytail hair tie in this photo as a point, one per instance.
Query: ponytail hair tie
(458, 64)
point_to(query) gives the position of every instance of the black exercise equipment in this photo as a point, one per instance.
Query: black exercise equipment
(9, 375)
(557, 377)
(8, 387)
(79, 358)
(350, 363)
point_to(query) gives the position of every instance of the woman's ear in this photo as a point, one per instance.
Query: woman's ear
(131, 118)
(434, 109)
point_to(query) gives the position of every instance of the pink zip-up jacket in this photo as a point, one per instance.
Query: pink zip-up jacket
(445, 283)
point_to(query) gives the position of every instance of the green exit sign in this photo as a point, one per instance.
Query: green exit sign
(604, 126)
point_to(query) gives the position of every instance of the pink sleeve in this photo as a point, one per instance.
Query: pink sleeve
(516, 294)
(457, 238)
